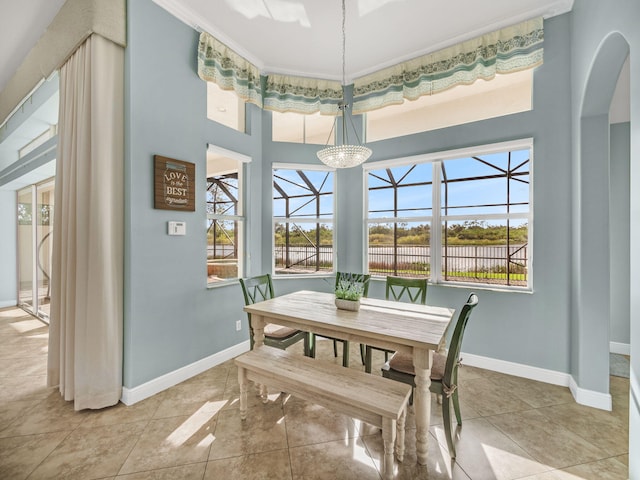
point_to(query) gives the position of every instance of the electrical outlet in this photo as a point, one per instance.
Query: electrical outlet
(238, 325)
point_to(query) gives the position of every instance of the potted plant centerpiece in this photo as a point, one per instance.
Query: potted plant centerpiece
(348, 293)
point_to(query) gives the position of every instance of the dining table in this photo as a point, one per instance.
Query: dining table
(403, 327)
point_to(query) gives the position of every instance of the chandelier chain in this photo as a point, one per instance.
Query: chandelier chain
(344, 42)
(344, 155)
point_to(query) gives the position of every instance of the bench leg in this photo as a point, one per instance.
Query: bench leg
(264, 394)
(388, 437)
(243, 382)
(400, 435)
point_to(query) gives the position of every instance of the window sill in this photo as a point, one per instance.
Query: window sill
(222, 283)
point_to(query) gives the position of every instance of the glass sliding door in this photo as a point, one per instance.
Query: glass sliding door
(35, 224)
(44, 241)
(26, 241)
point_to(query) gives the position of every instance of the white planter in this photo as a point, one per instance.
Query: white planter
(353, 305)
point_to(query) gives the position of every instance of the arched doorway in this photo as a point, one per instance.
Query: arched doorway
(593, 244)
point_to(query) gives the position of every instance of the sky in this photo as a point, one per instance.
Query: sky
(471, 197)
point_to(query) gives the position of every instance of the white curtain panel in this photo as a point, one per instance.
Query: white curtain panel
(85, 335)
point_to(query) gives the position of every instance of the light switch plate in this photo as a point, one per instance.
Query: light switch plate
(177, 228)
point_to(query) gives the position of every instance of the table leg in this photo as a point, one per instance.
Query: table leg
(258, 323)
(422, 359)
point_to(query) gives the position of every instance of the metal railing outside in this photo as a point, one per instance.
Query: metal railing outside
(492, 264)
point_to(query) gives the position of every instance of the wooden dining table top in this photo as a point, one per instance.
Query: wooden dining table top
(383, 323)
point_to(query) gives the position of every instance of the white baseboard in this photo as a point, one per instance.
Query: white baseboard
(517, 369)
(620, 348)
(588, 398)
(582, 396)
(157, 385)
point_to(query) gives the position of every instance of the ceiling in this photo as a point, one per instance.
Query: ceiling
(303, 37)
(22, 23)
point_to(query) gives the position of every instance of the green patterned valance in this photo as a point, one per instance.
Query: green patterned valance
(219, 64)
(508, 50)
(301, 95)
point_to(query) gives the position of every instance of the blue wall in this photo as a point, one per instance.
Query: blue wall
(619, 227)
(502, 320)
(172, 319)
(601, 31)
(8, 249)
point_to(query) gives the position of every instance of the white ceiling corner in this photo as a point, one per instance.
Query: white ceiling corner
(303, 37)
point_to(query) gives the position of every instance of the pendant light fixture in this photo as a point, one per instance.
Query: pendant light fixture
(344, 155)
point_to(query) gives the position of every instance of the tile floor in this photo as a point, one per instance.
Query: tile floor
(512, 429)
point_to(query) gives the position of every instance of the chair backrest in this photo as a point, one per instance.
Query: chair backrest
(355, 277)
(451, 365)
(401, 289)
(256, 289)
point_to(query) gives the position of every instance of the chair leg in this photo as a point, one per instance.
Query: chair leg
(367, 359)
(456, 406)
(362, 353)
(345, 354)
(446, 418)
(335, 349)
(310, 345)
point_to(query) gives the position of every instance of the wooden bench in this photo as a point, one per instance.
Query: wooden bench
(378, 401)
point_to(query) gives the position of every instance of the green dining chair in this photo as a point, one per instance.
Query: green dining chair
(444, 372)
(351, 277)
(259, 288)
(400, 289)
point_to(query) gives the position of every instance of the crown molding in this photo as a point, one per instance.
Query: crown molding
(200, 24)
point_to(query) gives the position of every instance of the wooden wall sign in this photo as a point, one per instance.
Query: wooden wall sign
(174, 184)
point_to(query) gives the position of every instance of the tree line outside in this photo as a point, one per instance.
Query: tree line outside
(472, 232)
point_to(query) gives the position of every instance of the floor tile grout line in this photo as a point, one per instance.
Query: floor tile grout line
(134, 446)
(532, 455)
(50, 453)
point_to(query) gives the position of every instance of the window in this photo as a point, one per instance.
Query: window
(503, 95)
(49, 133)
(299, 128)
(303, 206)
(460, 217)
(225, 107)
(225, 214)
(400, 213)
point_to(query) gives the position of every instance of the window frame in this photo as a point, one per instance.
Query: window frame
(311, 220)
(437, 218)
(243, 162)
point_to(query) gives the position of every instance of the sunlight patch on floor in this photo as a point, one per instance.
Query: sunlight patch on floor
(194, 423)
(359, 452)
(13, 313)
(27, 325)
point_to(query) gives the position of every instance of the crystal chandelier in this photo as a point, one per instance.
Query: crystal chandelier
(345, 155)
